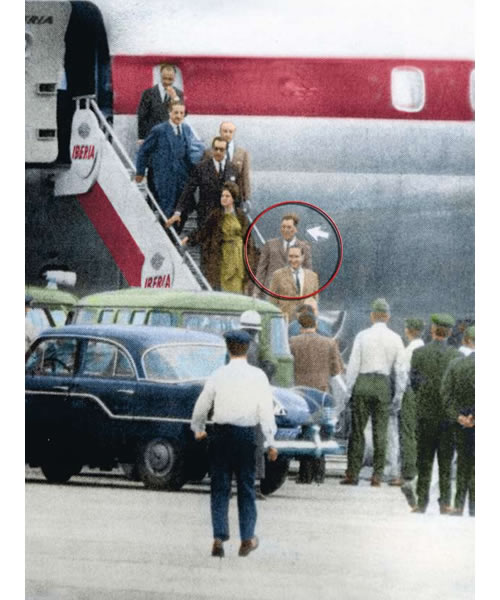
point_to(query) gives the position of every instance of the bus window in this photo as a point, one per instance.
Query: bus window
(107, 316)
(123, 317)
(157, 317)
(279, 336)
(139, 317)
(86, 315)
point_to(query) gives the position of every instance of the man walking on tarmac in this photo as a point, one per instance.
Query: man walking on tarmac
(375, 353)
(240, 398)
(435, 434)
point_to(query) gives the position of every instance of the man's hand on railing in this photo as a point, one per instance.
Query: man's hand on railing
(140, 142)
(139, 178)
(173, 219)
(184, 241)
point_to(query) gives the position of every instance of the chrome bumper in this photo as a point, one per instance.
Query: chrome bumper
(314, 446)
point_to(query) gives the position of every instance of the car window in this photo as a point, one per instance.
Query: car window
(279, 336)
(181, 362)
(139, 317)
(38, 318)
(157, 317)
(123, 317)
(52, 357)
(211, 323)
(103, 359)
(58, 316)
(86, 315)
(106, 316)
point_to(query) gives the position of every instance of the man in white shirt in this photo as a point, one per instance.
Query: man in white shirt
(239, 397)
(376, 352)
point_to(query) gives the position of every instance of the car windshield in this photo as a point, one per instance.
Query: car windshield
(182, 362)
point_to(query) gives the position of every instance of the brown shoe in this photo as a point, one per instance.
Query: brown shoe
(218, 548)
(348, 480)
(418, 509)
(444, 509)
(248, 546)
(397, 481)
(375, 482)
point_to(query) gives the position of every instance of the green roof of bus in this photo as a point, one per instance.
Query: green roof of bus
(43, 295)
(190, 300)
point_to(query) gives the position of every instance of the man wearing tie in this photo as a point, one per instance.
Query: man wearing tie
(208, 177)
(171, 149)
(293, 281)
(274, 253)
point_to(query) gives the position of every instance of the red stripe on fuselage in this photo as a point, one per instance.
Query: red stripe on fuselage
(309, 87)
(115, 235)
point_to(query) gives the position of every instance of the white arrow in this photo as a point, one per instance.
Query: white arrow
(317, 232)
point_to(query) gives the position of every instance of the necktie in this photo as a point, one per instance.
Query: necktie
(297, 282)
(178, 130)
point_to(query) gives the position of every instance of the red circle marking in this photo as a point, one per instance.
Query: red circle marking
(337, 234)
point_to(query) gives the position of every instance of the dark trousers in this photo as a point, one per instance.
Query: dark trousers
(465, 469)
(232, 450)
(434, 437)
(408, 435)
(370, 398)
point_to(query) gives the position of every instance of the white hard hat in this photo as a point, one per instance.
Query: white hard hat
(250, 319)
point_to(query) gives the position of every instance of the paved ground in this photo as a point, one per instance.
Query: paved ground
(104, 538)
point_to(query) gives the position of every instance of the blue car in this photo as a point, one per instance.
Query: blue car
(106, 395)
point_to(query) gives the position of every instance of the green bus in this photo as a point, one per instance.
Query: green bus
(50, 307)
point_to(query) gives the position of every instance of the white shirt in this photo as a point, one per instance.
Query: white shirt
(465, 350)
(408, 353)
(219, 166)
(230, 150)
(239, 395)
(174, 127)
(289, 243)
(162, 91)
(376, 350)
(301, 274)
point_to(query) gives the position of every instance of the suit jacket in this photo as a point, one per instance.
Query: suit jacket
(273, 257)
(152, 110)
(316, 359)
(241, 160)
(283, 283)
(205, 178)
(171, 166)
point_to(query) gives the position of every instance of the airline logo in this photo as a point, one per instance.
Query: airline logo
(83, 152)
(85, 143)
(158, 281)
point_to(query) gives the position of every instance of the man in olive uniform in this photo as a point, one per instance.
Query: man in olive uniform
(375, 353)
(458, 393)
(434, 432)
(408, 415)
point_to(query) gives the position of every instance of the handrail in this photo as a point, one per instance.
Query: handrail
(90, 102)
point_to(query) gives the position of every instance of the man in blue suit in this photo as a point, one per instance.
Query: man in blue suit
(171, 149)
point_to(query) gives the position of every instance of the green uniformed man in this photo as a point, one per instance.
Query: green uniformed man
(375, 353)
(408, 415)
(458, 393)
(435, 434)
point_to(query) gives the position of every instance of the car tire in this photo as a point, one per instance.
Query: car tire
(58, 464)
(276, 474)
(160, 465)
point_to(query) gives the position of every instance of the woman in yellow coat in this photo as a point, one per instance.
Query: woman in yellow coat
(222, 240)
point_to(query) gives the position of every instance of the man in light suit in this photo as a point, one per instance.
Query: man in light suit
(294, 281)
(274, 255)
(171, 149)
(208, 177)
(156, 101)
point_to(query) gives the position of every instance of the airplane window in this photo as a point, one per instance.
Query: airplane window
(407, 89)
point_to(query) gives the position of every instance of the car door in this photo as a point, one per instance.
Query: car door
(101, 395)
(49, 372)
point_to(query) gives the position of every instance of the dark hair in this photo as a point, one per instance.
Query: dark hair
(237, 348)
(291, 216)
(232, 188)
(176, 103)
(306, 320)
(301, 248)
(164, 66)
(218, 138)
(304, 308)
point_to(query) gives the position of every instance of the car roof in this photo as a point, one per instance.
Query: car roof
(142, 335)
(190, 300)
(45, 295)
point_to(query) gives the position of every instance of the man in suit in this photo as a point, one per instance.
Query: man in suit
(376, 352)
(156, 101)
(171, 149)
(458, 393)
(238, 156)
(435, 434)
(208, 177)
(293, 281)
(239, 398)
(274, 253)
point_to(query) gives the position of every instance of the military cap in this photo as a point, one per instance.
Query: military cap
(443, 320)
(28, 300)
(470, 333)
(380, 305)
(416, 324)
(237, 336)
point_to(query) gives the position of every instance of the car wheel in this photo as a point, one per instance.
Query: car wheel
(58, 464)
(160, 465)
(276, 474)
